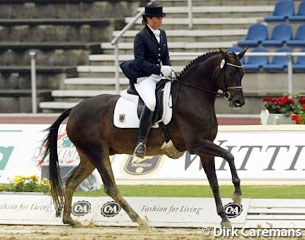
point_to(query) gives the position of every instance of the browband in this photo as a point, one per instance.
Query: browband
(233, 65)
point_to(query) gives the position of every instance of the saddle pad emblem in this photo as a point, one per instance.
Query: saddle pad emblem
(122, 118)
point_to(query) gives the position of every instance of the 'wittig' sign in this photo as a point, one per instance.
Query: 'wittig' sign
(260, 154)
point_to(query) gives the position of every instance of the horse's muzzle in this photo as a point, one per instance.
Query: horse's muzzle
(237, 102)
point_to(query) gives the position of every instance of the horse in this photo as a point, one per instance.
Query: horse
(193, 128)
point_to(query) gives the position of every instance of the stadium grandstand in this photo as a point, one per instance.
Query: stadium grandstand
(75, 55)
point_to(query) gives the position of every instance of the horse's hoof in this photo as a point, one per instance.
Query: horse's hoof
(72, 223)
(226, 224)
(236, 198)
(143, 225)
(76, 224)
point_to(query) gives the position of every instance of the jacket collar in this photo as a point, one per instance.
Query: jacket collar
(151, 34)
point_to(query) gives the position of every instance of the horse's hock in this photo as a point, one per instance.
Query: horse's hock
(63, 33)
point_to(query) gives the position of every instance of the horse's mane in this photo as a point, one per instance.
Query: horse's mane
(199, 59)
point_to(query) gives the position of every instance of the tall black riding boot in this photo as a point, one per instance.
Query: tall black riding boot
(145, 125)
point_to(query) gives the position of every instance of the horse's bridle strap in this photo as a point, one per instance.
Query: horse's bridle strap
(235, 87)
(233, 65)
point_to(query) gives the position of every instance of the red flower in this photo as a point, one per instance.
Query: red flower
(294, 117)
(302, 100)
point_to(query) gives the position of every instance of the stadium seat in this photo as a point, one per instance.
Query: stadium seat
(299, 64)
(256, 34)
(235, 49)
(281, 33)
(299, 39)
(300, 16)
(255, 63)
(282, 10)
(278, 63)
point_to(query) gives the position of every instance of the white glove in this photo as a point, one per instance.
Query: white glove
(167, 71)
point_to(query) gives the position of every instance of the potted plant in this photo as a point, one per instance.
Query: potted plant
(278, 110)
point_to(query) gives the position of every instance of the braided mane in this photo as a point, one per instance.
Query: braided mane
(199, 59)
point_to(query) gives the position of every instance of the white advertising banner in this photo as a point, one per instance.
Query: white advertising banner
(103, 211)
(21, 148)
(18, 146)
(261, 153)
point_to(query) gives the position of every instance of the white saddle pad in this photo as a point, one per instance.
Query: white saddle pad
(125, 111)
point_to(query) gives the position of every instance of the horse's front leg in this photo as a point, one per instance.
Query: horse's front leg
(210, 148)
(207, 148)
(208, 164)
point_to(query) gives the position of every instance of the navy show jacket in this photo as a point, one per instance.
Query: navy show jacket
(148, 55)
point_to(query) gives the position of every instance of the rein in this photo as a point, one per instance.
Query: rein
(200, 88)
(225, 94)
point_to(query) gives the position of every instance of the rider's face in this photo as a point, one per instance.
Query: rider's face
(154, 22)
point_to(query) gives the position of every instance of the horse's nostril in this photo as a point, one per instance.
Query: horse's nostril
(237, 103)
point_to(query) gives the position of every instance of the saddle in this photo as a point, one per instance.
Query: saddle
(129, 107)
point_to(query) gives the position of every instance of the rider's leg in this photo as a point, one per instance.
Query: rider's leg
(145, 125)
(146, 89)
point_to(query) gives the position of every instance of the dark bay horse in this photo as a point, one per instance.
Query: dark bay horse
(193, 128)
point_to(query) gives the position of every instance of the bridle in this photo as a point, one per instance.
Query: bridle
(226, 93)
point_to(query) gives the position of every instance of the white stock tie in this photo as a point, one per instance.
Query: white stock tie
(157, 34)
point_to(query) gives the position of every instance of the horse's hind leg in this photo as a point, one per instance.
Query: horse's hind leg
(80, 173)
(208, 164)
(112, 190)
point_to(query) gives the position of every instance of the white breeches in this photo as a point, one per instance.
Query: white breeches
(146, 88)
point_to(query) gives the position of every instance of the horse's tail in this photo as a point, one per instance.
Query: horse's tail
(54, 173)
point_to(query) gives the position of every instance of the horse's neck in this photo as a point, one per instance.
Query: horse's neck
(194, 96)
(199, 91)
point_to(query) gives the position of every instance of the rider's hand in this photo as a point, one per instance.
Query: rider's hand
(167, 71)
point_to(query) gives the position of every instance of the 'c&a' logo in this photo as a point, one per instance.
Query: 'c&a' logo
(233, 210)
(81, 208)
(110, 209)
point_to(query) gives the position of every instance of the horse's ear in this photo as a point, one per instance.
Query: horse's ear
(241, 54)
(224, 54)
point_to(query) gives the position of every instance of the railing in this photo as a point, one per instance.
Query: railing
(33, 81)
(115, 42)
(117, 38)
(190, 14)
(290, 56)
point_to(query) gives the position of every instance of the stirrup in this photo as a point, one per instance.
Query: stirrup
(140, 150)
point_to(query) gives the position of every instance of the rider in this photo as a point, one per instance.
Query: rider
(151, 62)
